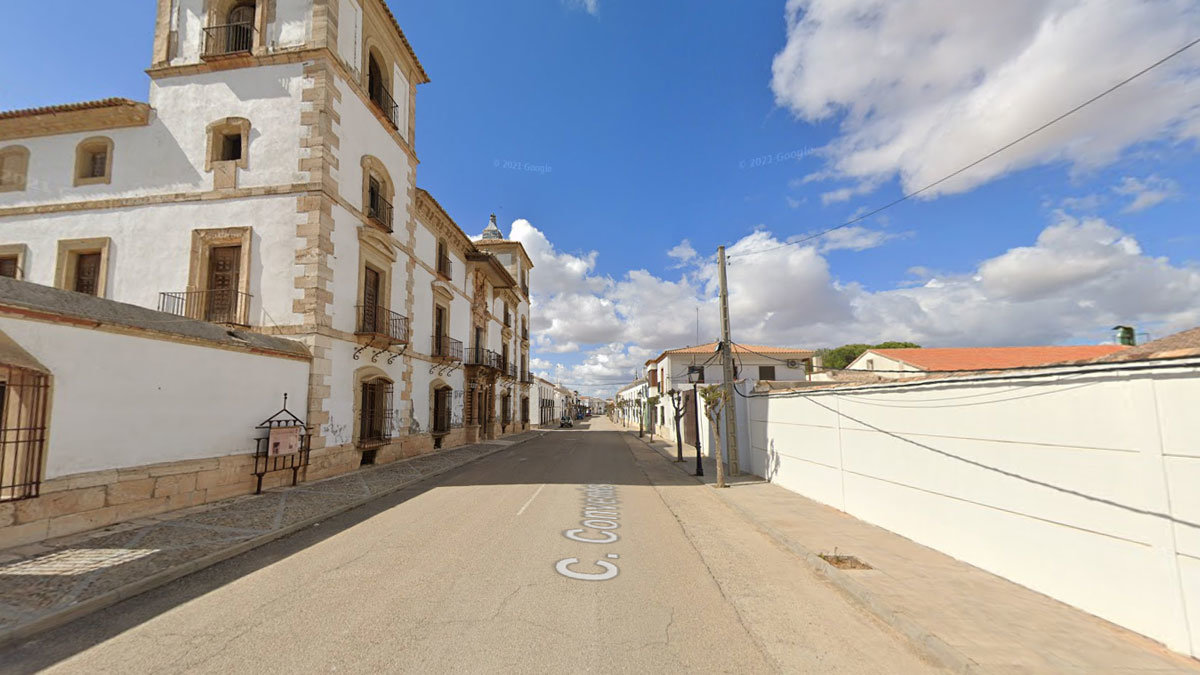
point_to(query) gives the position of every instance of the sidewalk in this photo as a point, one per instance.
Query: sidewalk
(51, 583)
(963, 617)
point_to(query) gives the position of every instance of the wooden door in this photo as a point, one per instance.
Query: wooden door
(87, 273)
(371, 313)
(224, 270)
(440, 343)
(689, 419)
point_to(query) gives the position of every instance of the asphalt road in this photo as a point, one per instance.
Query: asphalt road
(473, 572)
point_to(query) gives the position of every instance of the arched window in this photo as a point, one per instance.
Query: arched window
(239, 28)
(14, 165)
(374, 78)
(377, 192)
(242, 14)
(93, 161)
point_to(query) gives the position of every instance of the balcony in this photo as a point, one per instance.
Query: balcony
(218, 305)
(483, 357)
(527, 377)
(525, 289)
(525, 334)
(234, 39)
(446, 348)
(507, 320)
(443, 267)
(378, 321)
(379, 210)
(386, 104)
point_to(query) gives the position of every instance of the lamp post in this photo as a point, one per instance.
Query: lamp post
(676, 397)
(694, 376)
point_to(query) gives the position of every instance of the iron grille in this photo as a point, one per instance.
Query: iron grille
(383, 100)
(379, 210)
(375, 415)
(446, 347)
(377, 320)
(222, 305)
(441, 411)
(232, 38)
(24, 399)
(484, 357)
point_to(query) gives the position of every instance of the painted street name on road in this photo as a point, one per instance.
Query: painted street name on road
(600, 522)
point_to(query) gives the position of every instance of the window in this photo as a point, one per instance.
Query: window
(766, 372)
(377, 89)
(83, 265)
(93, 161)
(440, 423)
(12, 261)
(231, 147)
(377, 193)
(374, 420)
(24, 402)
(870, 364)
(14, 165)
(232, 28)
(443, 260)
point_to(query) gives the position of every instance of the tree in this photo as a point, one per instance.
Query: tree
(840, 357)
(714, 401)
(679, 411)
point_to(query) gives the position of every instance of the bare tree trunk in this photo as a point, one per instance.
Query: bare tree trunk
(719, 450)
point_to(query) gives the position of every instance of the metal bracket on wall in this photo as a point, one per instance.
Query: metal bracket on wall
(358, 351)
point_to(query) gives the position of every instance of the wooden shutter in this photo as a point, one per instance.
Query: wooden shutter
(87, 273)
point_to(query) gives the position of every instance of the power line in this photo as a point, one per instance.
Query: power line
(979, 161)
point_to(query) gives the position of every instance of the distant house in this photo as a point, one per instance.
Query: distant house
(895, 363)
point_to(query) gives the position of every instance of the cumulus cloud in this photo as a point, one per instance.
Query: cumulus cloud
(920, 88)
(683, 252)
(1079, 277)
(854, 238)
(1146, 192)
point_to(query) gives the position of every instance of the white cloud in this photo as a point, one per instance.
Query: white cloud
(1081, 276)
(923, 87)
(1146, 192)
(854, 238)
(590, 6)
(683, 252)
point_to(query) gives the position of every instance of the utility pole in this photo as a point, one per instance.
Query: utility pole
(727, 366)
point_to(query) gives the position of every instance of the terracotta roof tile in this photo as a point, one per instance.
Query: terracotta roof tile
(986, 358)
(711, 348)
(68, 107)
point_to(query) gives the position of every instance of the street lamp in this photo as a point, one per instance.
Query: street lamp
(695, 376)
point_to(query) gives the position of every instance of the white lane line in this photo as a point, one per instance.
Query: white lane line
(535, 494)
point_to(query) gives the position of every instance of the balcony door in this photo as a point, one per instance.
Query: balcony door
(441, 344)
(371, 288)
(224, 266)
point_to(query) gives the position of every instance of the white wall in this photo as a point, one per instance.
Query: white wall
(1082, 487)
(151, 247)
(119, 400)
(176, 139)
(292, 27)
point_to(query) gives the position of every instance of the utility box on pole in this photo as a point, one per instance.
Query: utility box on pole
(730, 407)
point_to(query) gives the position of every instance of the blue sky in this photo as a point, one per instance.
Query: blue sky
(738, 124)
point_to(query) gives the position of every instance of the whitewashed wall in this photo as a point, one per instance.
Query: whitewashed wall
(292, 27)
(1083, 487)
(161, 401)
(177, 139)
(151, 247)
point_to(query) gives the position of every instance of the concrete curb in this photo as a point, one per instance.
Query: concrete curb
(68, 614)
(922, 640)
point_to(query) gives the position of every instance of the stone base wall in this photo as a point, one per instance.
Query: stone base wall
(86, 501)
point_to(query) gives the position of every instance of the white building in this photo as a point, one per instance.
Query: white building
(669, 372)
(268, 183)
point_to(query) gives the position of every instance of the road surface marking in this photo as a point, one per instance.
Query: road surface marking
(601, 516)
(535, 494)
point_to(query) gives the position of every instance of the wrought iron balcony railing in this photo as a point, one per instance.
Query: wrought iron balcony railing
(221, 305)
(379, 210)
(525, 334)
(230, 39)
(507, 320)
(483, 357)
(443, 266)
(380, 321)
(383, 100)
(446, 347)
